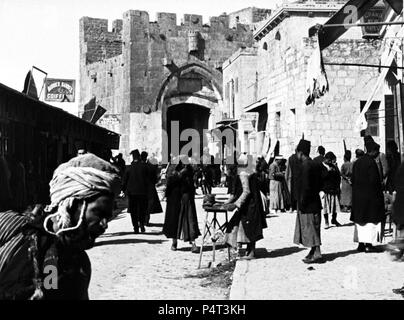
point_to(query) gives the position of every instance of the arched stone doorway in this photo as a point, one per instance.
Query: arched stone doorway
(190, 120)
(191, 95)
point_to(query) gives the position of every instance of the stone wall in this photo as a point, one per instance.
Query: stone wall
(331, 119)
(248, 16)
(148, 53)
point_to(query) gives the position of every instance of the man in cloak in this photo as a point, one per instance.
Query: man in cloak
(308, 219)
(42, 253)
(368, 210)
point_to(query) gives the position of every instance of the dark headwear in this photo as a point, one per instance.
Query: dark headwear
(143, 156)
(370, 144)
(359, 153)
(304, 146)
(348, 155)
(135, 153)
(330, 156)
(321, 150)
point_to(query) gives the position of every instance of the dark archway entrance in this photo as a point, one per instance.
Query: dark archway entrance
(189, 116)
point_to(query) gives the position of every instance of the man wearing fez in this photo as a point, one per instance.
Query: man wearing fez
(42, 253)
(308, 219)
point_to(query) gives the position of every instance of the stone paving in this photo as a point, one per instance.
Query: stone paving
(142, 266)
(279, 272)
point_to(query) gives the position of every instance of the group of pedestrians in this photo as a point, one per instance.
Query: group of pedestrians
(139, 185)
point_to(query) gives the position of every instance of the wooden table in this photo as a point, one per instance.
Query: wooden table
(211, 226)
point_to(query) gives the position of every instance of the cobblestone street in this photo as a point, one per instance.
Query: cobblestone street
(346, 274)
(142, 266)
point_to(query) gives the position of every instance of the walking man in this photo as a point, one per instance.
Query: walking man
(308, 219)
(135, 187)
(331, 180)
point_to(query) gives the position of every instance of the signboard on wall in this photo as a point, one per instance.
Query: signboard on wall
(60, 90)
(376, 14)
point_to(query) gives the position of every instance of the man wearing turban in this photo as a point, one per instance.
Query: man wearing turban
(32, 244)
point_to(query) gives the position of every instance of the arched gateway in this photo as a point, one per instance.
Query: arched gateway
(190, 98)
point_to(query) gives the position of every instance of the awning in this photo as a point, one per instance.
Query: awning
(255, 105)
(344, 16)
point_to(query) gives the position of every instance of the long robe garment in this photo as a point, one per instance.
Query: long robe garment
(308, 218)
(153, 201)
(276, 199)
(346, 187)
(292, 177)
(173, 196)
(367, 199)
(187, 229)
(249, 220)
(398, 205)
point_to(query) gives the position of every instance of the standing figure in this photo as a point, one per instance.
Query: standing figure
(367, 199)
(292, 176)
(120, 163)
(181, 220)
(135, 187)
(381, 161)
(153, 201)
(331, 180)
(321, 153)
(308, 219)
(346, 184)
(276, 177)
(248, 222)
(398, 218)
(393, 162)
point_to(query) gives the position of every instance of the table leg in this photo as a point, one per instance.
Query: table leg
(203, 239)
(213, 238)
(228, 247)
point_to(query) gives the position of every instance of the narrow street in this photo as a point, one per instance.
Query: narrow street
(142, 266)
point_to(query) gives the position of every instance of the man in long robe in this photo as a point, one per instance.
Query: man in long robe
(368, 212)
(308, 219)
(292, 176)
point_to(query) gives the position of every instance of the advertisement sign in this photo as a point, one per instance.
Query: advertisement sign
(60, 90)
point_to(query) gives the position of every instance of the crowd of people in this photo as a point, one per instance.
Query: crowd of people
(83, 193)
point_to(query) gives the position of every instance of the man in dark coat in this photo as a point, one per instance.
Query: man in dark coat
(153, 201)
(135, 187)
(397, 245)
(368, 212)
(292, 176)
(308, 219)
(321, 154)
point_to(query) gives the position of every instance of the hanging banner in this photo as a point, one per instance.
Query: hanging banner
(60, 90)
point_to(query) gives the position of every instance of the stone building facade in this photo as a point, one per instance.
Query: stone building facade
(273, 77)
(147, 74)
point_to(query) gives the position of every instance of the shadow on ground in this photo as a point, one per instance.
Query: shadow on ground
(205, 248)
(127, 241)
(262, 253)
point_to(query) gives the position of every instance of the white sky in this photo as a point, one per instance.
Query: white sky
(45, 33)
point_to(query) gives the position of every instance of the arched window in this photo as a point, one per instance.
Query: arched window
(265, 46)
